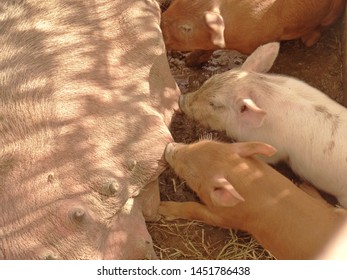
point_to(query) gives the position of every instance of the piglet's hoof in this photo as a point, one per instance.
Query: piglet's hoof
(169, 210)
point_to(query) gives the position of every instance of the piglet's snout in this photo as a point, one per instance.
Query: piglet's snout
(169, 150)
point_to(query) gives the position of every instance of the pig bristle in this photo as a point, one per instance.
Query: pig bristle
(214, 136)
(207, 136)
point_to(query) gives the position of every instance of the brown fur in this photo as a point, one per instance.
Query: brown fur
(284, 219)
(248, 23)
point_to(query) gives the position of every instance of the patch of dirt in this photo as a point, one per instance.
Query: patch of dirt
(319, 66)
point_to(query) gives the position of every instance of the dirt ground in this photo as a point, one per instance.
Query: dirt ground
(320, 66)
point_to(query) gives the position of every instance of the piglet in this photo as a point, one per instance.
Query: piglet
(244, 25)
(239, 191)
(308, 129)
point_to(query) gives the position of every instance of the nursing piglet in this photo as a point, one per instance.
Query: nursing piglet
(308, 129)
(241, 192)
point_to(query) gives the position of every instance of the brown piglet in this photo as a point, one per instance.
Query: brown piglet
(243, 25)
(240, 191)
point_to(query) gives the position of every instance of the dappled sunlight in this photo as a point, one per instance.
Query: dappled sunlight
(244, 171)
(242, 74)
(35, 84)
(281, 195)
(86, 97)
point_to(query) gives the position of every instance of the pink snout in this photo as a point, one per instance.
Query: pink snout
(168, 153)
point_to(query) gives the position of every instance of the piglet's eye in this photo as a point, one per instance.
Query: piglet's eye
(185, 28)
(215, 106)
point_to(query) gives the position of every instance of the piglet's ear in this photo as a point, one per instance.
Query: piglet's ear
(223, 194)
(216, 26)
(262, 59)
(248, 149)
(249, 113)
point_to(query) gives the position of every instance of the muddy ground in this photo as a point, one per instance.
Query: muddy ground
(320, 66)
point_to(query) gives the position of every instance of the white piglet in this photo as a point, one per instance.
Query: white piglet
(308, 129)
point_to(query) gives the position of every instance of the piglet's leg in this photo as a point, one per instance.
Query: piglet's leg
(150, 199)
(311, 38)
(187, 210)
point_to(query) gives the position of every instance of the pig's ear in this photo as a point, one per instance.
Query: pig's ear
(262, 59)
(248, 149)
(223, 194)
(249, 113)
(216, 27)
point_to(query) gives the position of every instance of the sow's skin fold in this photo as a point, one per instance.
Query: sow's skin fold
(86, 97)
